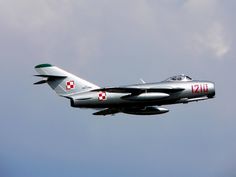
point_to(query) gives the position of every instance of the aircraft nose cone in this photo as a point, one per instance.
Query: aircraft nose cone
(211, 90)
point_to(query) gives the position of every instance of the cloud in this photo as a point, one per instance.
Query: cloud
(55, 28)
(213, 40)
(208, 32)
(200, 5)
(87, 30)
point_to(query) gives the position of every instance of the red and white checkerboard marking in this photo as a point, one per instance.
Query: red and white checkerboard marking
(70, 85)
(102, 96)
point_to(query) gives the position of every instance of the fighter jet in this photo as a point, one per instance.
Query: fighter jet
(138, 99)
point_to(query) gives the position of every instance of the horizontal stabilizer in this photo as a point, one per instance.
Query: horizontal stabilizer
(40, 82)
(47, 78)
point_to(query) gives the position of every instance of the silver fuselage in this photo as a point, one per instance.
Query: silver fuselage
(155, 94)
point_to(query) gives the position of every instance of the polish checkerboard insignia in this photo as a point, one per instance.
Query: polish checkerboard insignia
(70, 85)
(102, 96)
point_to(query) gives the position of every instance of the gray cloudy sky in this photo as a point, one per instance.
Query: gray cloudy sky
(115, 43)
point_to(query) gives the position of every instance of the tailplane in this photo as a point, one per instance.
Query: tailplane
(63, 83)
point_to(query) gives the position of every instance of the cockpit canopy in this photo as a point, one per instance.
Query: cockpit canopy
(181, 77)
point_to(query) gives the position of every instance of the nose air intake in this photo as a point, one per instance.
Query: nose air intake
(211, 90)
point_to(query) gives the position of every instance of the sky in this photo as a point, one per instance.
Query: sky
(112, 43)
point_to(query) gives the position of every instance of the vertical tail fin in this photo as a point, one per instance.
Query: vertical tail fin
(62, 82)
